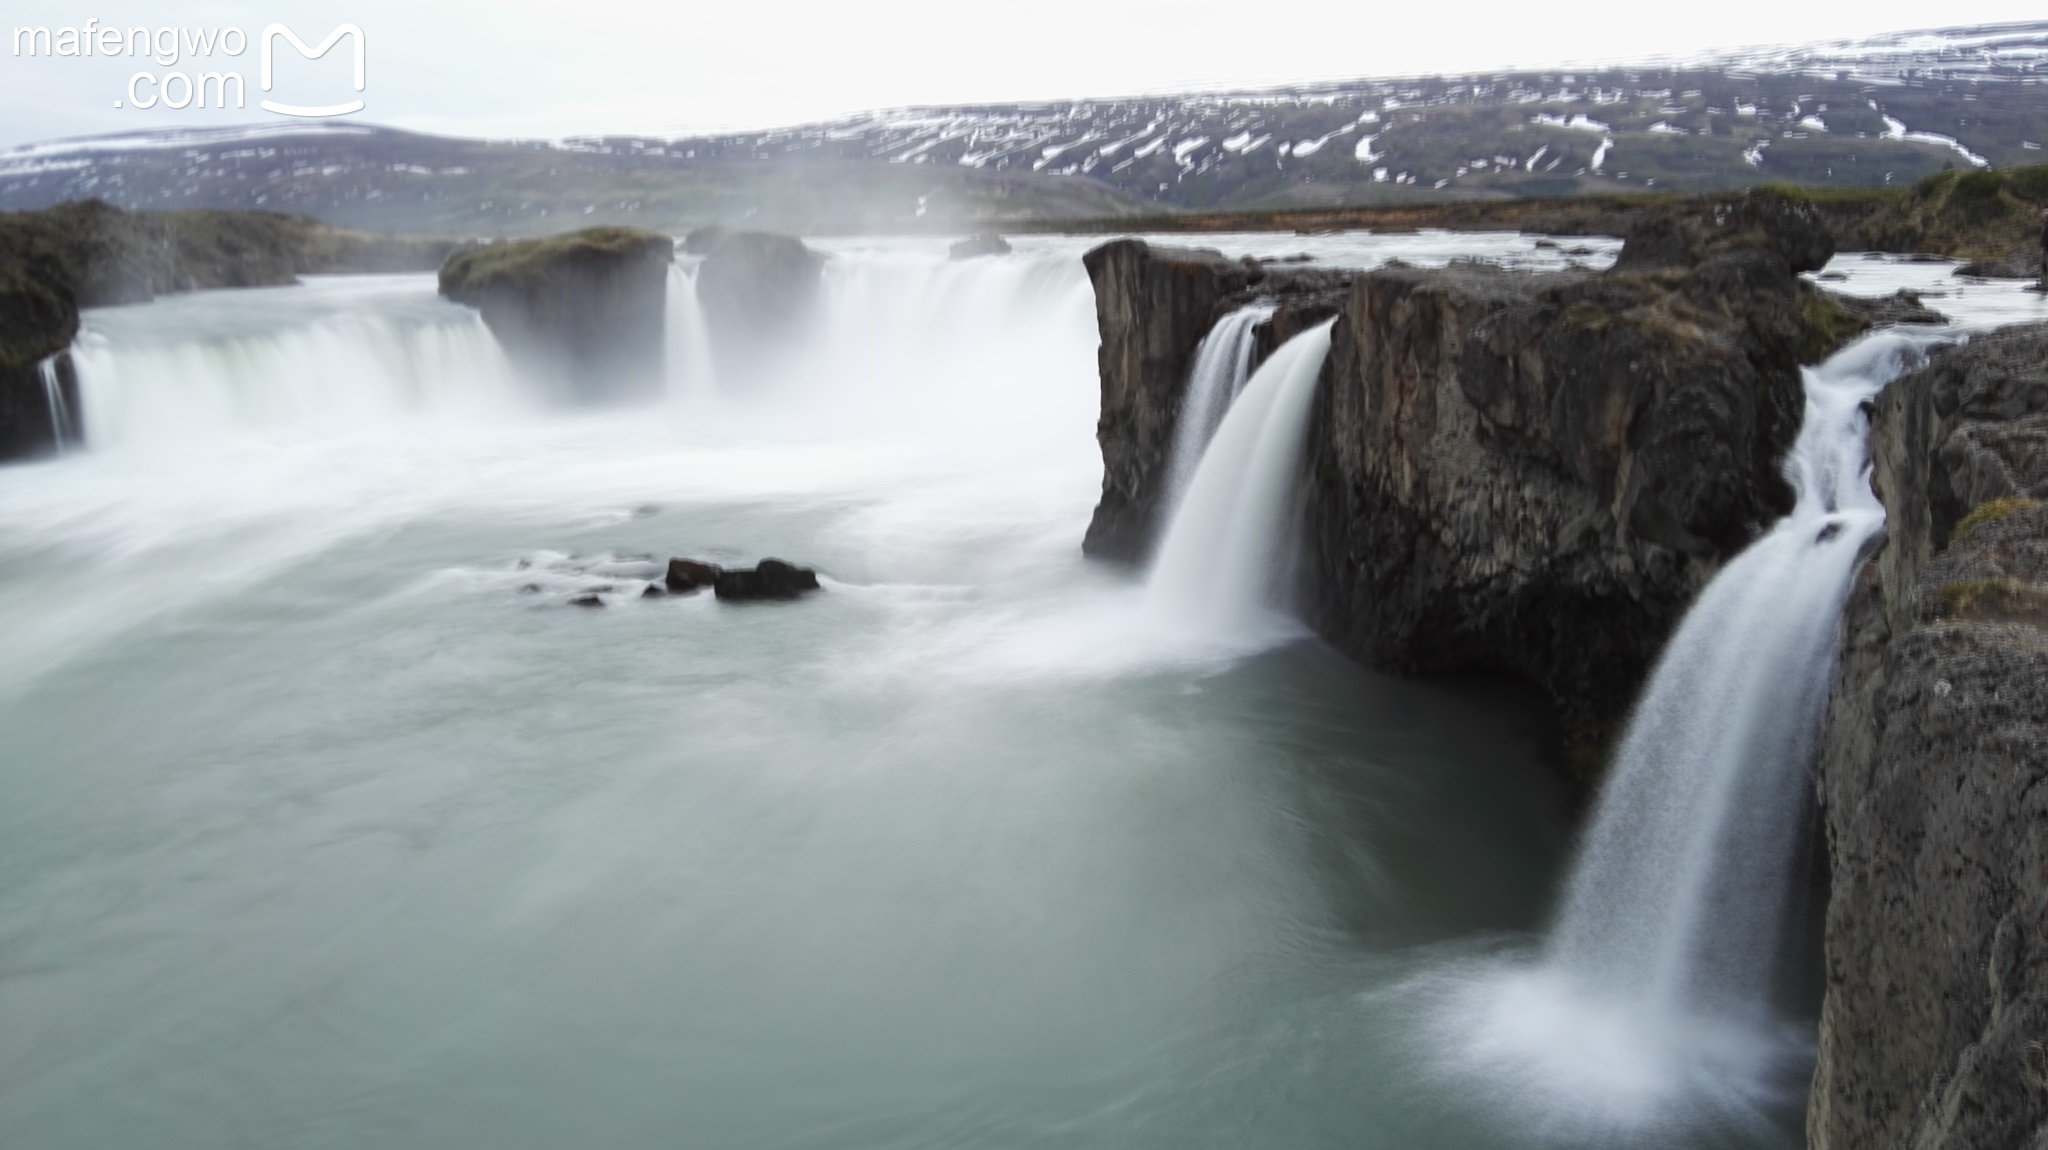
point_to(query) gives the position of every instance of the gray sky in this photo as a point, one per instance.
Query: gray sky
(547, 68)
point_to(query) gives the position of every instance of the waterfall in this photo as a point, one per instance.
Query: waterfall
(686, 337)
(1654, 992)
(63, 425)
(1223, 360)
(1228, 550)
(273, 363)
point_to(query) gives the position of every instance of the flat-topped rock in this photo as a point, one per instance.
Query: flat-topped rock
(584, 313)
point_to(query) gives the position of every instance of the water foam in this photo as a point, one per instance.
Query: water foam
(1652, 1002)
(1222, 567)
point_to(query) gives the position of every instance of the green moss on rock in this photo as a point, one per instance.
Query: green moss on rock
(467, 276)
(1992, 512)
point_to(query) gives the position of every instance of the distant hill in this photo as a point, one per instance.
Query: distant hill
(1887, 111)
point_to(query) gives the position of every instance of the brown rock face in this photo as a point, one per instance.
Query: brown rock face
(1931, 773)
(584, 313)
(1535, 475)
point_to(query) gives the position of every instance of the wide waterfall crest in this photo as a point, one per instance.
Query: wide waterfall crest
(1229, 548)
(314, 375)
(1654, 996)
(1223, 364)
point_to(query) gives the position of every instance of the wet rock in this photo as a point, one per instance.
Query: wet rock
(2023, 262)
(1901, 306)
(654, 591)
(1931, 768)
(584, 314)
(986, 244)
(770, 579)
(686, 575)
(586, 601)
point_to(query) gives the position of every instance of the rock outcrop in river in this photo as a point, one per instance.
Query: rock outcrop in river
(583, 313)
(1932, 773)
(90, 254)
(1535, 474)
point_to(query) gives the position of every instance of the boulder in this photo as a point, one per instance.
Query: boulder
(1694, 231)
(986, 244)
(1931, 768)
(685, 575)
(759, 293)
(770, 579)
(583, 314)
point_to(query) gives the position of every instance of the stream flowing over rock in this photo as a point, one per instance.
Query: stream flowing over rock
(1930, 773)
(584, 313)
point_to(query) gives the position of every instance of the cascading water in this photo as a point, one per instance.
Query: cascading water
(687, 340)
(1223, 362)
(1226, 553)
(318, 796)
(1655, 992)
(294, 364)
(63, 426)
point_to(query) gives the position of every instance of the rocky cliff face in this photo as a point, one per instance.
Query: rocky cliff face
(1931, 773)
(89, 254)
(1536, 474)
(584, 313)
(1153, 305)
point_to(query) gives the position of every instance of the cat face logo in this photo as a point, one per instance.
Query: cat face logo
(270, 36)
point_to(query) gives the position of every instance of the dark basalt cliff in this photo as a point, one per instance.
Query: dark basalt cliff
(1153, 305)
(1536, 474)
(1932, 769)
(759, 291)
(583, 313)
(89, 254)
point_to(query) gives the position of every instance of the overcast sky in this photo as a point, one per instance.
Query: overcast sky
(546, 68)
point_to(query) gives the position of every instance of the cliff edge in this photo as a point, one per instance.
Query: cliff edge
(1535, 474)
(1931, 773)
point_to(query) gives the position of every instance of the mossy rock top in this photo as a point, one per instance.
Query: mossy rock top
(523, 264)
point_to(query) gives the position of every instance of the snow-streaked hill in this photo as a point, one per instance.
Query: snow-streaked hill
(1886, 110)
